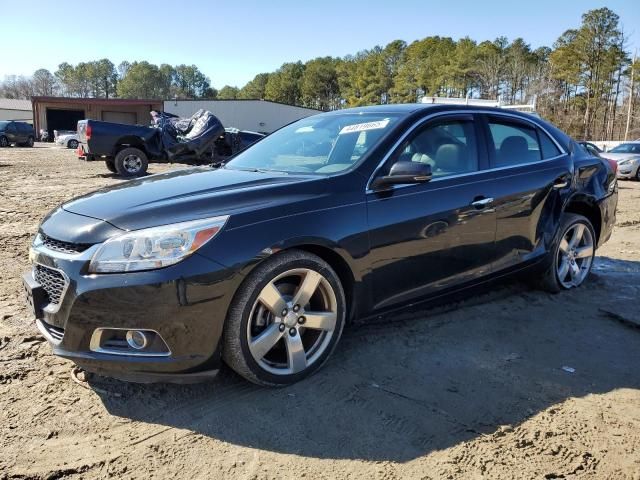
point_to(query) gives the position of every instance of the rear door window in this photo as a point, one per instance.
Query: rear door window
(548, 147)
(514, 143)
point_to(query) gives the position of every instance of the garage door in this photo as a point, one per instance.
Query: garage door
(59, 119)
(120, 117)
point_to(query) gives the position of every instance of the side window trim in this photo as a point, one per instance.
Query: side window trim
(480, 117)
(506, 118)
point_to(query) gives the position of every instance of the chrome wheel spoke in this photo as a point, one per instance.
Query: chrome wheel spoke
(574, 271)
(307, 288)
(296, 357)
(263, 343)
(564, 245)
(578, 232)
(320, 320)
(564, 269)
(271, 298)
(584, 252)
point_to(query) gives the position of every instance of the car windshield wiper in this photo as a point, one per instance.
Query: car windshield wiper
(264, 170)
(244, 169)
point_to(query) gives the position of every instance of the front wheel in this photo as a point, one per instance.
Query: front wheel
(72, 144)
(572, 254)
(131, 162)
(285, 320)
(4, 142)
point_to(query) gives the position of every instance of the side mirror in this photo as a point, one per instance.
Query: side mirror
(404, 172)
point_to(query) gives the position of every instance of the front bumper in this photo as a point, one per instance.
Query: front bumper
(627, 172)
(186, 304)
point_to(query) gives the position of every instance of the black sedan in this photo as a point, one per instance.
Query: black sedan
(261, 262)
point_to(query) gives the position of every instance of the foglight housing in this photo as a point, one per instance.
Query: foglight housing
(155, 247)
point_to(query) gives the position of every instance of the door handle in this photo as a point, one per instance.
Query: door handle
(561, 182)
(482, 202)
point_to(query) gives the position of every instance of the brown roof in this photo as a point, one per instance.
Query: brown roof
(95, 101)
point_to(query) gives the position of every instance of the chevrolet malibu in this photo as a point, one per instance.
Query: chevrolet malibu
(261, 262)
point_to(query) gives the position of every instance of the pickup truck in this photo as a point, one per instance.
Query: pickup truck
(128, 149)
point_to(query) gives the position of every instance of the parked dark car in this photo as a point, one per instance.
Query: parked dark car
(18, 133)
(262, 262)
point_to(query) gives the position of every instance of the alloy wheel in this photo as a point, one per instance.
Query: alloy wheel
(292, 321)
(575, 255)
(3, 142)
(132, 163)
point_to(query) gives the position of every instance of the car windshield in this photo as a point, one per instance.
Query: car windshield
(322, 144)
(626, 148)
(3, 125)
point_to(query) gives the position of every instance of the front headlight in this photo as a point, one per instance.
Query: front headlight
(627, 161)
(154, 247)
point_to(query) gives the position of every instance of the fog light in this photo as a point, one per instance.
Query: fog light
(137, 339)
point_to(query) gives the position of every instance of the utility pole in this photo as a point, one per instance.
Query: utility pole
(626, 130)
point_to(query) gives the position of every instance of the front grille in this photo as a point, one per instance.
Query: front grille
(64, 247)
(52, 281)
(56, 332)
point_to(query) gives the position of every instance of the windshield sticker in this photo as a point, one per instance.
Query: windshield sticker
(363, 127)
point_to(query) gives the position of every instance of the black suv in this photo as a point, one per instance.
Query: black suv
(20, 133)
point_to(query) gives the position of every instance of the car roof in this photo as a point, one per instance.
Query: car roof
(407, 109)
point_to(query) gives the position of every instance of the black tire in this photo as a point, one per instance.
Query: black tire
(124, 162)
(550, 280)
(29, 143)
(638, 174)
(4, 142)
(111, 166)
(235, 348)
(72, 144)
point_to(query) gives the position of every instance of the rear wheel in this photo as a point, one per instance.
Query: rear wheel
(131, 162)
(285, 321)
(72, 144)
(111, 166)
(29, 142)
(572, 254)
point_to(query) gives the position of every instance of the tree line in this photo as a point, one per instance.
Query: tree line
(584, 82)
(102, 79)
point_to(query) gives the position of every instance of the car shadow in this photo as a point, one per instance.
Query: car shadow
(405, 384)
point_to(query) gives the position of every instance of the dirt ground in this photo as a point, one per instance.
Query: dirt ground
(477, 389)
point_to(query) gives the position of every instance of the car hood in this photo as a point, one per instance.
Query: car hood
(191, 194)
(618, 156)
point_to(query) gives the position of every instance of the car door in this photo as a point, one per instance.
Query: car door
(11, 133)
(531, 174)
(430, 236)
(23, 132)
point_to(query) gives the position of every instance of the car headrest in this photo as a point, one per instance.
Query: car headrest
(450, 157)
(514, 146)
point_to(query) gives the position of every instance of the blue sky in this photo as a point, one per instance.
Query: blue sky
(233, 41)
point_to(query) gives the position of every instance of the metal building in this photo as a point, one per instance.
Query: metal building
(254, 115)
(11, 109)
